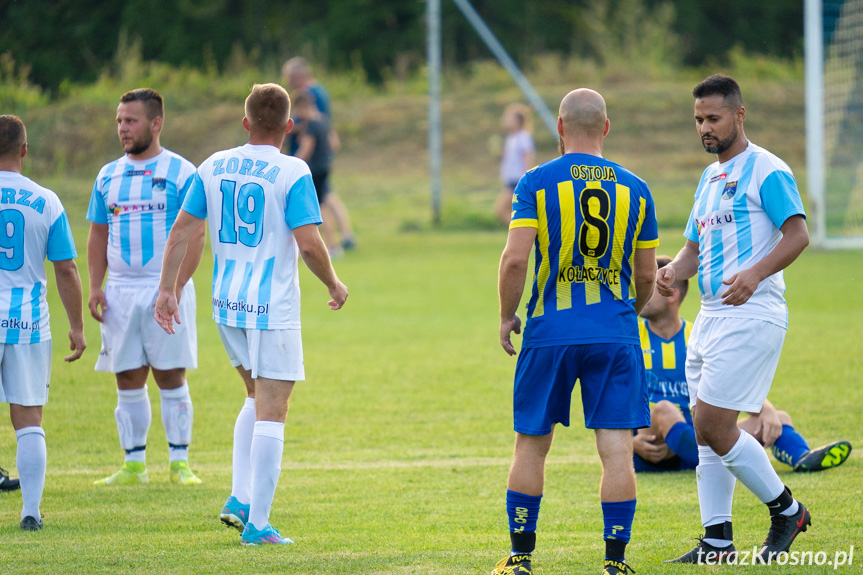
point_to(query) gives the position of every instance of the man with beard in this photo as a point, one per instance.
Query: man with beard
(746, 226)
(593, 226)
(134, 203)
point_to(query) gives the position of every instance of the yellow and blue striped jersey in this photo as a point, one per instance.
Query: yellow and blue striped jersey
(664, 360)
(590, 215)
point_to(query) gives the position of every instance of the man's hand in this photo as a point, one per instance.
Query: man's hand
(768, 427)
(743, 285)
(664, 280)
(167, 310)
(339, 293)
(77, 343)
(508, 326)
(650, 448)
(95, 302)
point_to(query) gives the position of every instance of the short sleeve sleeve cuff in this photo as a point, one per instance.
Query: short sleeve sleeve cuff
(523, 223)
(645, 244)
(780, 197)
(96, 211)
(196, 198)
(301, 205)
(61, 245)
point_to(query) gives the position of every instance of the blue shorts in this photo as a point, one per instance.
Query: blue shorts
(613, 387)
(675, 463)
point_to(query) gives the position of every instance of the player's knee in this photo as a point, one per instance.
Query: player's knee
(665, 408)
(664, 415)
(532, 446)
(784, 417)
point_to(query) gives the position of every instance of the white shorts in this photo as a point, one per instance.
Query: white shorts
(25, 373)
(131, 338)
(730, 362)
(270, 353)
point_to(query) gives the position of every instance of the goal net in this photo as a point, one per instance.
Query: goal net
(835, 120)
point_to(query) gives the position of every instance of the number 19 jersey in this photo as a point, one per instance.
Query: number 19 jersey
(590, 215)
(254, 196)
(33, 225)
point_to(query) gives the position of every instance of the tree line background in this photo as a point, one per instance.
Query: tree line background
(53, 42)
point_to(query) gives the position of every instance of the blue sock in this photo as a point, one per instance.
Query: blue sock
(790, 446)
(523, 511)
(681, 440)
(617, 516)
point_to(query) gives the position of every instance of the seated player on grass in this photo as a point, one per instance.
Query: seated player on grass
(669, 443)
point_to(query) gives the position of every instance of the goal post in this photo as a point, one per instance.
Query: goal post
(834, 121)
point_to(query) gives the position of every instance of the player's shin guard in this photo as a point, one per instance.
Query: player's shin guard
(32, 460)
(715, 492)
(268, 443)
(241, 472)
(748, 461)
(523, 511)
(177, 417)
(133, 417)
(617, 516)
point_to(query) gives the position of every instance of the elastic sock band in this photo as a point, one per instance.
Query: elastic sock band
(176, 393)
(132, 395)
(273, 429)
(28, 430)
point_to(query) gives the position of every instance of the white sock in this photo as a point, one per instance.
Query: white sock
(715, 491)
(177, 415)
(268, 443)
(241, 477)
(133, 422)
(32, 459)
(748, 461)
(791, 510)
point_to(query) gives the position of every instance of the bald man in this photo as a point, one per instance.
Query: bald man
(593, 227)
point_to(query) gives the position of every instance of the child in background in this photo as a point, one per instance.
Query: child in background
(517, 156)
(311, 131)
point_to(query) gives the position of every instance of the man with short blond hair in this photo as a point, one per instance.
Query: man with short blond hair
(33, 226)
(264, 215)
(134, 202)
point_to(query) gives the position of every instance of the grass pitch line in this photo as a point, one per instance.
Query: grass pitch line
(359, 465)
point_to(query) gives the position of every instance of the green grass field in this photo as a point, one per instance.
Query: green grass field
(398, 445)
(399, 442)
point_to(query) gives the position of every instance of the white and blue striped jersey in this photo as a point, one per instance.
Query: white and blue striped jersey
(33, 226)
(255, 196)
(139, 200)
(739, 207)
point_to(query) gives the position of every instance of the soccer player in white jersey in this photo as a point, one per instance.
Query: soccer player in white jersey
(263, 213)
(33, 226)
(746, 226)
(135, 201)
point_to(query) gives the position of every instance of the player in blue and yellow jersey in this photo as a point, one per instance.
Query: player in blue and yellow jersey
(134, 203)
(263, 216)
(669, 444)
(33, 227)
(593, 226)
(747, 224)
